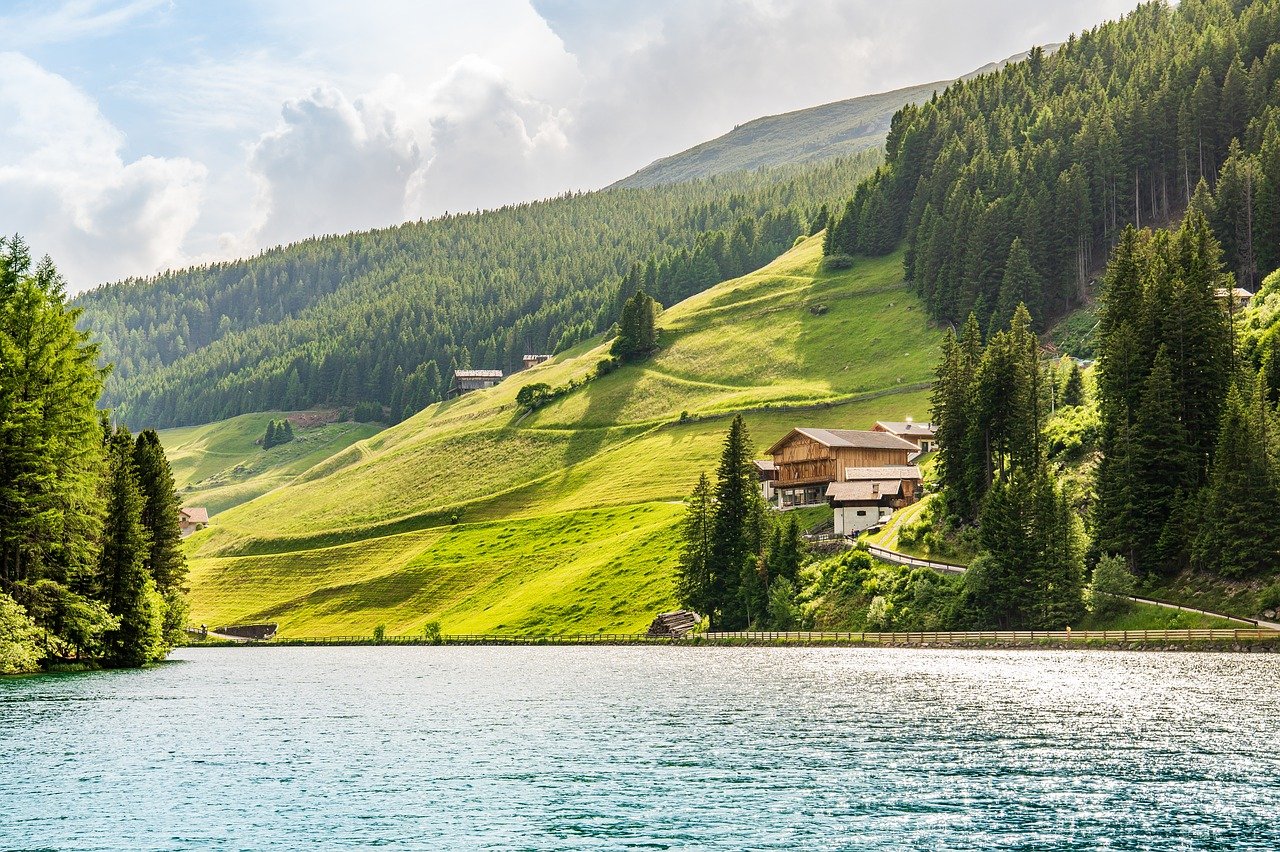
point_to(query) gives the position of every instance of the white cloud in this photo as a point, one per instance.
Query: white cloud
(345, 117)
(65, 187)
(333, 165)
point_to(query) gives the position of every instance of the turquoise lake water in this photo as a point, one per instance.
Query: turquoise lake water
(646, 748)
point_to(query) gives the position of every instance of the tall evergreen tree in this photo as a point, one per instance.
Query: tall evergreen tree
(736, 526)
(165, 560)
(694, 582)
(128, 590)
(1239, 536)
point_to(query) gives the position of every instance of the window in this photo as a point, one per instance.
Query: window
(862, 513)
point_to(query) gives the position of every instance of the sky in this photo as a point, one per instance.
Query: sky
(139, 135)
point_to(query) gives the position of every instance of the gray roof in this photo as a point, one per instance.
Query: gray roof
(477, 374)
(849, 438)
(765, 465)
(864, 490)
(902, 427)
(894, 471)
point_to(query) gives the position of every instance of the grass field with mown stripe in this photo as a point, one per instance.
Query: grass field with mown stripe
(486, 518)
(220, 465)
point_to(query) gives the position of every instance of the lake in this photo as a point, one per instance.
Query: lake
(646, 748)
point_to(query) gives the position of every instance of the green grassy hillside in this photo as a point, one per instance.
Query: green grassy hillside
(221, 464)
(487, 518)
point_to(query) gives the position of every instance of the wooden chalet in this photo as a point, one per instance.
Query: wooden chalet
(806, 461)
(923, 435)
(466, 381)
(534, 360)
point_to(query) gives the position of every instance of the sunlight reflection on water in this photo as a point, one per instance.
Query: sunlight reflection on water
(611, 748)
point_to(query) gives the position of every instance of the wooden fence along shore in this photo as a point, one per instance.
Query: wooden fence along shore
(986, 638)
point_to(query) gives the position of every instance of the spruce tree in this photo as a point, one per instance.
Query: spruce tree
(693, 584)
(736, 526)
(165, 560)
(1163, 465)
(1073, 386)
(1239, 536)
(1020, 284)
(128, 590)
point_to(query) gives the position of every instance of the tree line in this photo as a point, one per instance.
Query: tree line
(384, 316)
(1007, 186)
(91, 565)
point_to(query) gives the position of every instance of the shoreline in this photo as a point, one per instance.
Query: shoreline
(1239, 641)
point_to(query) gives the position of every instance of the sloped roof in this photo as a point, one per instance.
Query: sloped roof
(848, 438)
(895, 472)
(897, 427)
(765, 465)
(477, 374)
(864, 489)
(195, 514)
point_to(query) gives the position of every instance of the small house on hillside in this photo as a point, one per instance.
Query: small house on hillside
(1240, 297)
(806, 461)
(869, 495)
(923, 435)
(192, 519)
(766, 472)
(535, 360)
(466, 381)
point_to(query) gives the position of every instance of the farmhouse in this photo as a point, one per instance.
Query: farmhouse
(923, 435)
(465, 381)
(869, 495)
(806, 461)
(1240, 297)
(535, 360)
(191, 519)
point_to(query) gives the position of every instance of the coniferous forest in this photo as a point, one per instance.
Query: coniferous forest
(91, 566)
(383, 317)
(1012, 187)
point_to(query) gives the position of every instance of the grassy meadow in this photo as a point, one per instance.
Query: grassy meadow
(220, 465)
(486, 518)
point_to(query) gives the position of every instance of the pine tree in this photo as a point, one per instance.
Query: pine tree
(694, 585)
(1163, 465)
(128, 590)
(1020, 284)
(1239, 537)
(269, 440)
(736, 528)
(1073, 386)
(165, 560)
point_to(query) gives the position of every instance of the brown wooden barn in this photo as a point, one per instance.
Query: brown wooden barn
(808, 460)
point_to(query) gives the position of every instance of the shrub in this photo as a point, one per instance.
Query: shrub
(431, 630)
(18, 634)
(880, 613)
(534, 396)
(367, 412)
(1112, 583)
(783, 613)
(1269, 598)
(380, 633)
(833, 262)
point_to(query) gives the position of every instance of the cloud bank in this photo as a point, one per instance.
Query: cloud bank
(357, 117)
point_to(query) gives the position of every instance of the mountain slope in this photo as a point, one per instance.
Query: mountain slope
(220, 465)
(488, 518)
(802, 136)
(383, 316)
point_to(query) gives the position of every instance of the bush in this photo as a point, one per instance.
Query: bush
(431, 630)
(18, 634)
(380, 633)
(367, 412)
(834, 262)
(534, 396)
(1269, 598)
(783, 613)
(605, 367)
(880, 613)
(1112, 583)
